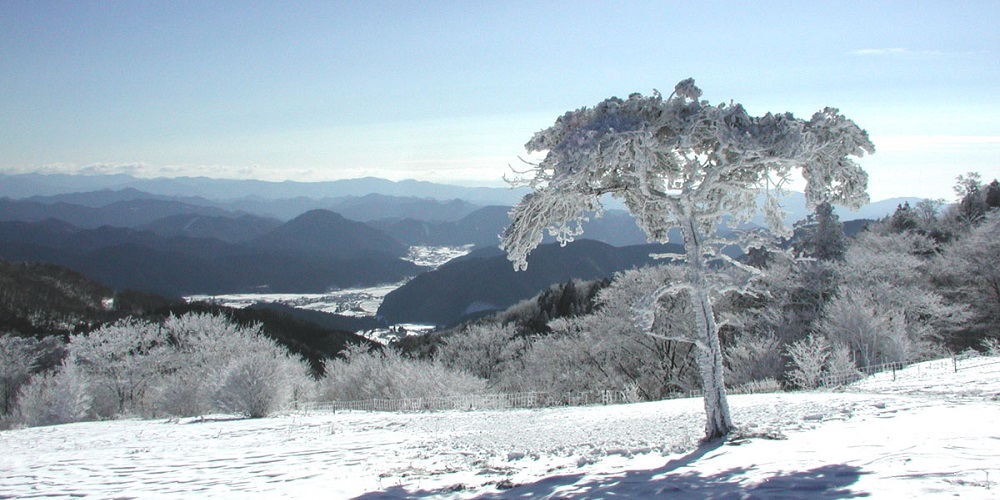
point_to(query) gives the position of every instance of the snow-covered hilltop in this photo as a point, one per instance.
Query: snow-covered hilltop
(928, 430)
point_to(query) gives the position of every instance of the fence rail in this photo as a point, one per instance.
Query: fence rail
(922, 369)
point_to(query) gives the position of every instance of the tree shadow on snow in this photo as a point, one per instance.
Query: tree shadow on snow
(828, 481)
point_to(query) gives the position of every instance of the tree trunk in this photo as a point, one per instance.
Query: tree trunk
(718, 422)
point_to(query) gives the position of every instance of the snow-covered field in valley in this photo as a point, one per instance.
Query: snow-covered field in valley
(358, 302)
(930, 432)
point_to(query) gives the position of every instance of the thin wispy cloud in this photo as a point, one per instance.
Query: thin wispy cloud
(911, 53)
(881, 52)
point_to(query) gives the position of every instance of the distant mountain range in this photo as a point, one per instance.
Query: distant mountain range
(364, 199)
(27, 185)
(206, 236)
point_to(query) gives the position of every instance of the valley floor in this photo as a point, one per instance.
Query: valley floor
(931, 431)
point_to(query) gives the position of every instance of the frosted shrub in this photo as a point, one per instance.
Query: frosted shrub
(840, 367)
(560, 363)
(760, 386)
(753, 357)
(257, 376)
(202, 345)
(808, 358)
(217, 365)
(186, 366)
(255, 385)
(991, 346)
(183, 394)
(362, 375)
(51, 398)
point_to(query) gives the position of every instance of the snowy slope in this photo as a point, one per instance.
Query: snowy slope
(932, 431)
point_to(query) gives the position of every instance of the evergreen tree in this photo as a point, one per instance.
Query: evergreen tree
(821, 236)
(681, 162)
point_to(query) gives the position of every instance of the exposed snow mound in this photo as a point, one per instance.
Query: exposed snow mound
(915, 437)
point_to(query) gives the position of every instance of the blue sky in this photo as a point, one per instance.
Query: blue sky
(451, 91)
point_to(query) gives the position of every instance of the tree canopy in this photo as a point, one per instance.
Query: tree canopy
(680, 159)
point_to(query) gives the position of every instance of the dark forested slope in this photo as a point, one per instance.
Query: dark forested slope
(485, 281)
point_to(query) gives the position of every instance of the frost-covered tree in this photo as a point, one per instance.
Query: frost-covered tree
(968, 271)
(17, 360)
(821, 235)
(752, 357)
(484, 350)
(681, 162)
(217, 364)
(120, 362)
(890, 273)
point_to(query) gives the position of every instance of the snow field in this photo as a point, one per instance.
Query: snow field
(939, 435)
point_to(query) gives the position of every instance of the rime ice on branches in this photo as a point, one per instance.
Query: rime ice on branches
(681, 162)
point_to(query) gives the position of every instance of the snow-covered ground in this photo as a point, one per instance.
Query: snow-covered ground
(930, 432)
(432, 257)
(357, 302)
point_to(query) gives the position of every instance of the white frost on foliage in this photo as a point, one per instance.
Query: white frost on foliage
(679, 160)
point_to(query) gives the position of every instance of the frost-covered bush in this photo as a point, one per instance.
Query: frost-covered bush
(752, 357)
(362, 375)
(559, 363)
(184, 366)
(201, 344)
(182, 394)
(808, 357)
(54, 397)
(256, 384)
(220, 366)
(991, 346)
(760, 386)
(840, 367)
